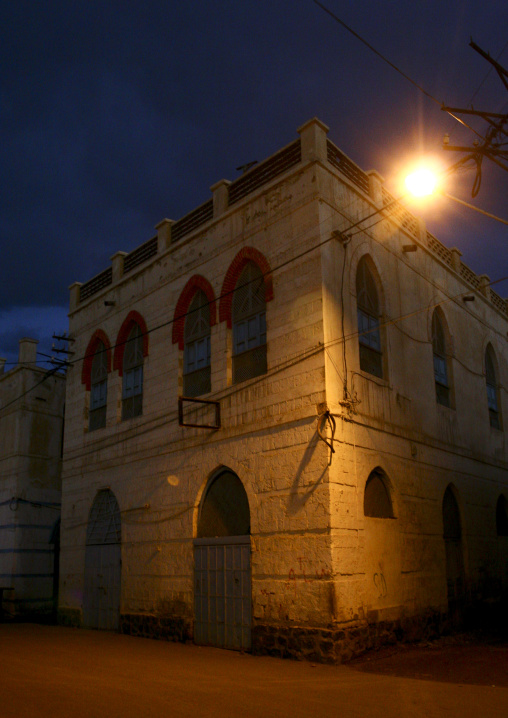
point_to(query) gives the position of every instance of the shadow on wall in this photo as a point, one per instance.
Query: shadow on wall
(298, 500)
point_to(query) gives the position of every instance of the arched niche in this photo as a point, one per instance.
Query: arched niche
(452, 535)
(103, 561)
(224, 509)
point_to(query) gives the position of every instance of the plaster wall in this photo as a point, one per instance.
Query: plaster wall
(317, 560)
(30, 482)
(268, 424)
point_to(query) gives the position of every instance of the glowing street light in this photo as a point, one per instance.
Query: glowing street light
(422, 182)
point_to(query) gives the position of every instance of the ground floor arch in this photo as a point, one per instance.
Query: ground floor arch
(102, 580)
(452, 534)
(222, 570)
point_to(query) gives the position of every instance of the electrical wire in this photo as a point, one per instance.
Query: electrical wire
(488, 73)
(32, 388)
(393, 203)
(392, 65)
(308, 353)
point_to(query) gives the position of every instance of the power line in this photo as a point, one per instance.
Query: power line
(392, 65)
(32, 388)
(393, 203)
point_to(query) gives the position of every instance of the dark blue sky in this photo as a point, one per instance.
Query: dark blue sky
(117, 114)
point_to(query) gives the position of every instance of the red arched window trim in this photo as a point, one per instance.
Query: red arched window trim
(86, 373)
(195, 283)
(132, 318)
(245, 255)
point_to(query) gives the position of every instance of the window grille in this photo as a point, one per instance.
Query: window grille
(132, 391)
(104, 523)
(491, 381)
(196, 353)
(249, 325)
(99, 388)
(371, 357)
(440, 361)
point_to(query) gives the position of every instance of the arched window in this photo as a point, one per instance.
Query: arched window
(377, 502)
(502, 516)
(491, 380)
(196, 352)
(132, 390)
(440, 360)
(368, 309)
(249, 324)
(98, 388)
(452, 534)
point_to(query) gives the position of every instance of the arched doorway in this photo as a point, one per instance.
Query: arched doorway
(222, 580)
(55, 540)
(452, 534)
(101, 600)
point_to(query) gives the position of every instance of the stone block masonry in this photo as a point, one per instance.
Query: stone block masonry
(377, 526)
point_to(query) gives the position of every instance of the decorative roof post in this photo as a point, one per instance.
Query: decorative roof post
(220, 191)
(313, 138)
(456, 254)
(117, 262)
(484, 285)
(164, 234)
(421, 231)
(75, 298)
(375, 187)
(27, 351)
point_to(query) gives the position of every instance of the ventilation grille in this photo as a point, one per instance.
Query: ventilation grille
(264, 172)
(97, 418)
(442, 252)
(249, 364)
(104, 525)
(469, 276)
(140, 254)
(403, 216)
(347, 167)
(191, 221)
(104, 279)
(197, 382)
(498, 301)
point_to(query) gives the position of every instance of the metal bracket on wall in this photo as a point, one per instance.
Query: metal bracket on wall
(181, 419)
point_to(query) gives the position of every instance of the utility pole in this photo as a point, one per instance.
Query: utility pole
(492, 144)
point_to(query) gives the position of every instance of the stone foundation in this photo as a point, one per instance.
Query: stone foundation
(166, 628)
(69, 617)
(339, 645)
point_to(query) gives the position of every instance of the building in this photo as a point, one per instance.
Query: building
(336, 471)
(31, 425)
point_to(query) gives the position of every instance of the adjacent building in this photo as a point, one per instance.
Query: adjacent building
(31, 425)
(285, 424)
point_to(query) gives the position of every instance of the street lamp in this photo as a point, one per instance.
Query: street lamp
(423, 182)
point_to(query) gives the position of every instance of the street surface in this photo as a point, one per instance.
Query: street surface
(56, 672)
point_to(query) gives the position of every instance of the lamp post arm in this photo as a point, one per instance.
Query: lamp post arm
(476, 209)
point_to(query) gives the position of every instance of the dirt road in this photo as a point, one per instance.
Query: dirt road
(53, 672)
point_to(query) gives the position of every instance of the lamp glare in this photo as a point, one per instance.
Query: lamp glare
(421, 183)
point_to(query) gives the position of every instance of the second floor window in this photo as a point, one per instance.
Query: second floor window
(368, 310)
(196, 352)
(490, 377)
(132, 389)
(440, 361)
(249, 325)
(98, 388)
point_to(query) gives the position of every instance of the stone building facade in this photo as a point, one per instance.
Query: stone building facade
(336, 473)
(31, 425)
